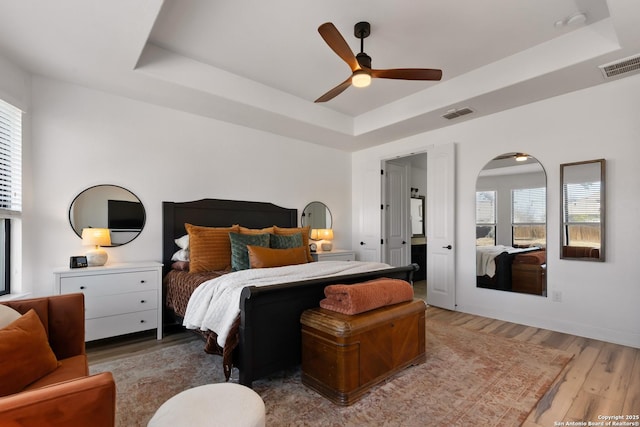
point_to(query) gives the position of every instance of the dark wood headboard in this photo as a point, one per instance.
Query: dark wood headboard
(218, 213)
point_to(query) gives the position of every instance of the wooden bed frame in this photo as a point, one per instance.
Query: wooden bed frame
(270, 334)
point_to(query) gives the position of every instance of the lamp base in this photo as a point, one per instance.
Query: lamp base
(96, 257)
(327, 247)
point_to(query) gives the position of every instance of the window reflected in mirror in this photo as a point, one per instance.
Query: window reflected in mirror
(511, 225)
(583, 205)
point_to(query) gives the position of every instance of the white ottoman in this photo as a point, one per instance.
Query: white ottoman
(223, 404)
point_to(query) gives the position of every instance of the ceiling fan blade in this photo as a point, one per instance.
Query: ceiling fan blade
(408, 74)
(335, 91)
(337, 43)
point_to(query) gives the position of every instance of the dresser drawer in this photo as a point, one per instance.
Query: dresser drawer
(119, 298)
(107, 305)
(108, 284)
(103, 327)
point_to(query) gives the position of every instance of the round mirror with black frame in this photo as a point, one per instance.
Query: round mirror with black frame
(108, 206)
(511, 225)
(316, 215)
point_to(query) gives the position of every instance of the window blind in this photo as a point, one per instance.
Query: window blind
(529, 206)
(485, 207)
(10, 159)
(582, 202)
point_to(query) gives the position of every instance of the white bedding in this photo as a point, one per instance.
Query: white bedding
(485, 264)
(215, 304)
(485, 257)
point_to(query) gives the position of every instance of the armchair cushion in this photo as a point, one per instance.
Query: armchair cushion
(67, 395)
(85, 401)
(25, 353)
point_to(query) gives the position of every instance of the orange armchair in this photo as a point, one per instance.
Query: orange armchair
(67, 396)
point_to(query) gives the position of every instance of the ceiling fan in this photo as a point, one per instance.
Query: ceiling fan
(360, 64)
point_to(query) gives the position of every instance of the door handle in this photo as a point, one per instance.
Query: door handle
(362, 243)
(404, 243)
(447, 247)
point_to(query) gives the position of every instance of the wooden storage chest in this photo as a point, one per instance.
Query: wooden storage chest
(344, 356)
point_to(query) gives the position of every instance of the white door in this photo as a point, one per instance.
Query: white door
(366, 189)
(440, 226)
(396, 244)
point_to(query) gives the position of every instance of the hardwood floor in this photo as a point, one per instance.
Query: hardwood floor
(602, 379)
(114, 348)
(420, 289)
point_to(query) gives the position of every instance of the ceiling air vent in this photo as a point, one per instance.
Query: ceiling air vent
(623, 66)
(454, 113)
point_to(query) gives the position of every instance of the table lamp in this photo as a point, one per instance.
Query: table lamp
(326, 234)
(96, 237)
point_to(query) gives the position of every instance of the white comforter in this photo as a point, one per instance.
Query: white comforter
(485, 259)
(215, 304)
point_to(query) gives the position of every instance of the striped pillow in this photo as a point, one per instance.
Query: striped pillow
(209, 248)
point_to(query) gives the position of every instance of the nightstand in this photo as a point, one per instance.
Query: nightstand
(334, 255)
(119, 298)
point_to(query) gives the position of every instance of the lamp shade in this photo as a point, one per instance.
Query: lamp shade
(315, 232)
(325, 234)
(96, 237)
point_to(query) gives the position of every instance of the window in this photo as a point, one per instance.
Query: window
(486, 218)
(529, 217)
(10, 184)
(581, 214)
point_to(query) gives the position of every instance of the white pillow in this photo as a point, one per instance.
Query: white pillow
(7, 315)
(181, 255)
(183, 242)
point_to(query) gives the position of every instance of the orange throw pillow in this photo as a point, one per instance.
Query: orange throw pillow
(261, 257)
(209, 248)
(245, 230)
(305, 237)
(25, 353)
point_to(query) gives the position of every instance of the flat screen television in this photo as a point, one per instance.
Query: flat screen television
(123, 214)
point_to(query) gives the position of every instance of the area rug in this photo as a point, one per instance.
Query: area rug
(469, 378)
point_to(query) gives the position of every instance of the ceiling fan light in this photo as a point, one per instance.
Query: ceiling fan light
(361, 78)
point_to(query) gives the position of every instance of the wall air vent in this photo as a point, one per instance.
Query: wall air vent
(454, 113)
(623, 66)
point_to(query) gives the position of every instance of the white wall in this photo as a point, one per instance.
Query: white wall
(599, 300)
(83, 137)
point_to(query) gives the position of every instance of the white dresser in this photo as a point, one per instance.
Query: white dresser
(334, 255)
(119, 298)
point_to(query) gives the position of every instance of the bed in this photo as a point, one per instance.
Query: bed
(266, 336)
(494, 265)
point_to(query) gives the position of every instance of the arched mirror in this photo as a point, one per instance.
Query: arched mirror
(108, 206)
(316, 215)
(583, 210)
(511, 225)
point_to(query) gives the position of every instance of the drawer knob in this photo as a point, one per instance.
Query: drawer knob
(142, 321)
(142, 301)
(81, 287)
(143, 281)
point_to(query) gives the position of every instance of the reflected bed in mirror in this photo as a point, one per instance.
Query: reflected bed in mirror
(511, 224)
(108, 206)
(583, 209)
